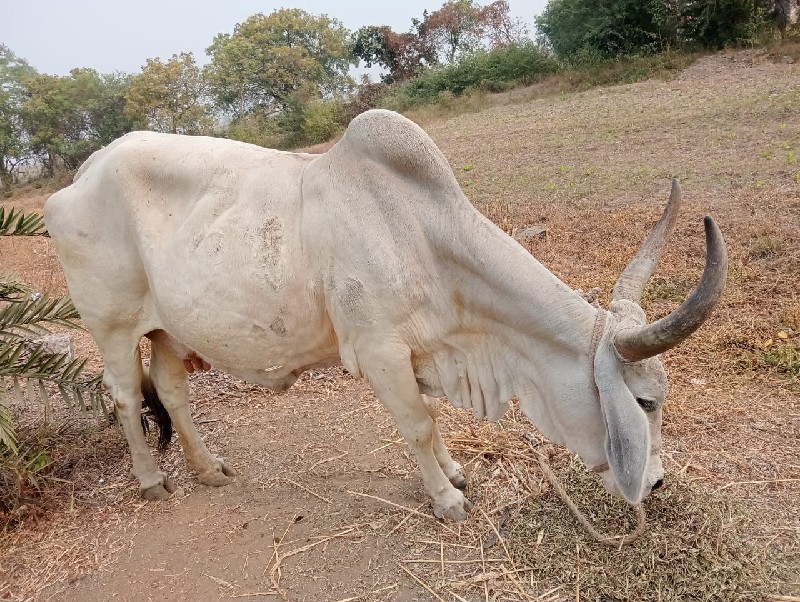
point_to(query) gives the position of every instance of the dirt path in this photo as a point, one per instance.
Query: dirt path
(298, 461)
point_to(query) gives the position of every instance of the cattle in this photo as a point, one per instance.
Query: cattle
(266, 264)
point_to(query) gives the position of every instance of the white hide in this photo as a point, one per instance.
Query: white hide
(265, 263)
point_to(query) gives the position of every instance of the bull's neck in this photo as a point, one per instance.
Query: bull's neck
(532, 333)
(501, 280)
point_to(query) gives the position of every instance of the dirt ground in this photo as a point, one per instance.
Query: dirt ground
(328, 504)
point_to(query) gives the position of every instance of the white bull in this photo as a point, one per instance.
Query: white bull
(267, 263)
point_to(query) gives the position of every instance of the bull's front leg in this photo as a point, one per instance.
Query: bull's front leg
(389, 371)
(452, 469)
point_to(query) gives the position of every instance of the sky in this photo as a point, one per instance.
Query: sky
(55, 36)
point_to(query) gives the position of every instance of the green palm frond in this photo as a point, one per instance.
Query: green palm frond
(19, 360)
(8, 436)
(23, 318)
(16, 223)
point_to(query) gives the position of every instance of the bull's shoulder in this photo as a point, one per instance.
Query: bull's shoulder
(389, 139)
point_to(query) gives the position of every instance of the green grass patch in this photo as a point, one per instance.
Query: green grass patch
(784, 358)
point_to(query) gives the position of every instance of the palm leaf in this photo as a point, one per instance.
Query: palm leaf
(16, 223)
(8, 437)
(18, 360)
(23, 318)
(12, 291)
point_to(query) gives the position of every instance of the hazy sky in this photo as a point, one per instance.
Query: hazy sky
(107, 35)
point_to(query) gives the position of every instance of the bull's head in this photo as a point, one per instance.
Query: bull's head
(630, 378)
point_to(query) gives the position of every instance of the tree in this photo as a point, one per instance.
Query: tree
(171, 97)
(268, 59)
(613, 28)
(13, 148)
(23, 316)
(501, 28)
(785, 13)
(715, 24)
(456, 28)
(607, 28)
(403, 55)
(67, 118)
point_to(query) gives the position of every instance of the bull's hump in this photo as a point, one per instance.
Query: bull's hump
(397, 142)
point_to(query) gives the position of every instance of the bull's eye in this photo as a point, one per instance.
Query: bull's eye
(648, 405)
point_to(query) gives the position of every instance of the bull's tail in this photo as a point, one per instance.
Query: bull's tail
(153, 408)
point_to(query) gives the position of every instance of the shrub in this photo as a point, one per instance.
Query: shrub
(320, 121)
(494, 71)
(256, 129)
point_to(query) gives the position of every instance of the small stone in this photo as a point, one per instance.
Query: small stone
(57, 344)
(787, 60)
(532, 233)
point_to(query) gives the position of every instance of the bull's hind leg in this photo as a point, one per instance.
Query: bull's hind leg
(168, 374)
(389, 371)
(123, 379)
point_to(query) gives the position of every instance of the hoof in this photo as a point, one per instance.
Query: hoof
(457, 477)
(457, 509)
(459, 482)
(162, 491)
(220, 474)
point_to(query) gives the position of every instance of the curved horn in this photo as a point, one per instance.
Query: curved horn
(634, 277)
(663, 334)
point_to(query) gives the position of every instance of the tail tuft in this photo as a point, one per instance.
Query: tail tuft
(156, 410)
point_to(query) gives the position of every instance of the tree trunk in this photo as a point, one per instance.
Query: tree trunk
(786, 13)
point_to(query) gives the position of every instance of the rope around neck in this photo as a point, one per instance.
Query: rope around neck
(641, 519)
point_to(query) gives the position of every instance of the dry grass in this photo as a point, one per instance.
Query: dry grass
(522, 542)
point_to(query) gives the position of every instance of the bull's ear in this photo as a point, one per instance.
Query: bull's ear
(628, 440)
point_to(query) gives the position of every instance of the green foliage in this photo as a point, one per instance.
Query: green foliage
(606, 28)
(269, 58)
(16, 222)
(301, 123)
(23, 472)
(320, 121)
(257, 129)
(170, 97)
(368, 96)
(719, 23)
(13, 152)
(493, 71)
(67, 118)
(23, 317)
(455, 29)
(782, 357)
(580, 31)
(403, 55)
(591, 70)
